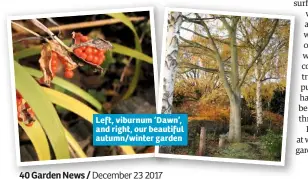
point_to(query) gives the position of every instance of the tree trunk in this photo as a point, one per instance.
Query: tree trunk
(172, 47)
(235, 96)
(231, 83)
(222, 141)
(258, 95)
(235, 120)
(169, 70)
(202, 143)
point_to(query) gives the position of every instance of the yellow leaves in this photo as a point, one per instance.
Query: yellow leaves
(78, 108)
(225, 51)
(214, 112)
(38, 138)
(262, 27)
(51, 124)
(216, 96)
(199, 39)
(267, 92)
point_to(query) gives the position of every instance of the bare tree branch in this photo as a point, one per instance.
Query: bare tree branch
(193, 66)
(245, 33)
(203, 36)
(222, 73)
(269, 78)
(226, 24)
(199, 19)
(259, 52)
(196, 44)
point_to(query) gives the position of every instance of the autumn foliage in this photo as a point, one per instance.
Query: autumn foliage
(274, 119)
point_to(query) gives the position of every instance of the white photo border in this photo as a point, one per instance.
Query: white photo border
(12, 78)
(287, 97)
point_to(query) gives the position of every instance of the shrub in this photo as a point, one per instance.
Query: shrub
(273, 121)
(189, 107)
(240, 151)
(213, 112)
(278, 101)
(249, 129)
(272, 143)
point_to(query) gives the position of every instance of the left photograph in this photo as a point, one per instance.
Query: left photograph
(67, 67)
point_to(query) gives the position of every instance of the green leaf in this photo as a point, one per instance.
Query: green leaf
(28, 52)
(70, 104)
(74, 144)
(69, 87)
(35, 50)
(131, 52)
(38, 139)
(78, 108)
(43, 109)
(99, 95)
(135, 79)
(59, 109)
(125, 20)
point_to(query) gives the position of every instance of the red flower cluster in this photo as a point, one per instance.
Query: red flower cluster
(55, 59)
(88, 53)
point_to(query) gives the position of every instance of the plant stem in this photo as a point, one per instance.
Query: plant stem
(82, 25)
(30, 31)
(74, 144)
(51, 34)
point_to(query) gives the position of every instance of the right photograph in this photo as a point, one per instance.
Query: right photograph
(230, 72)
